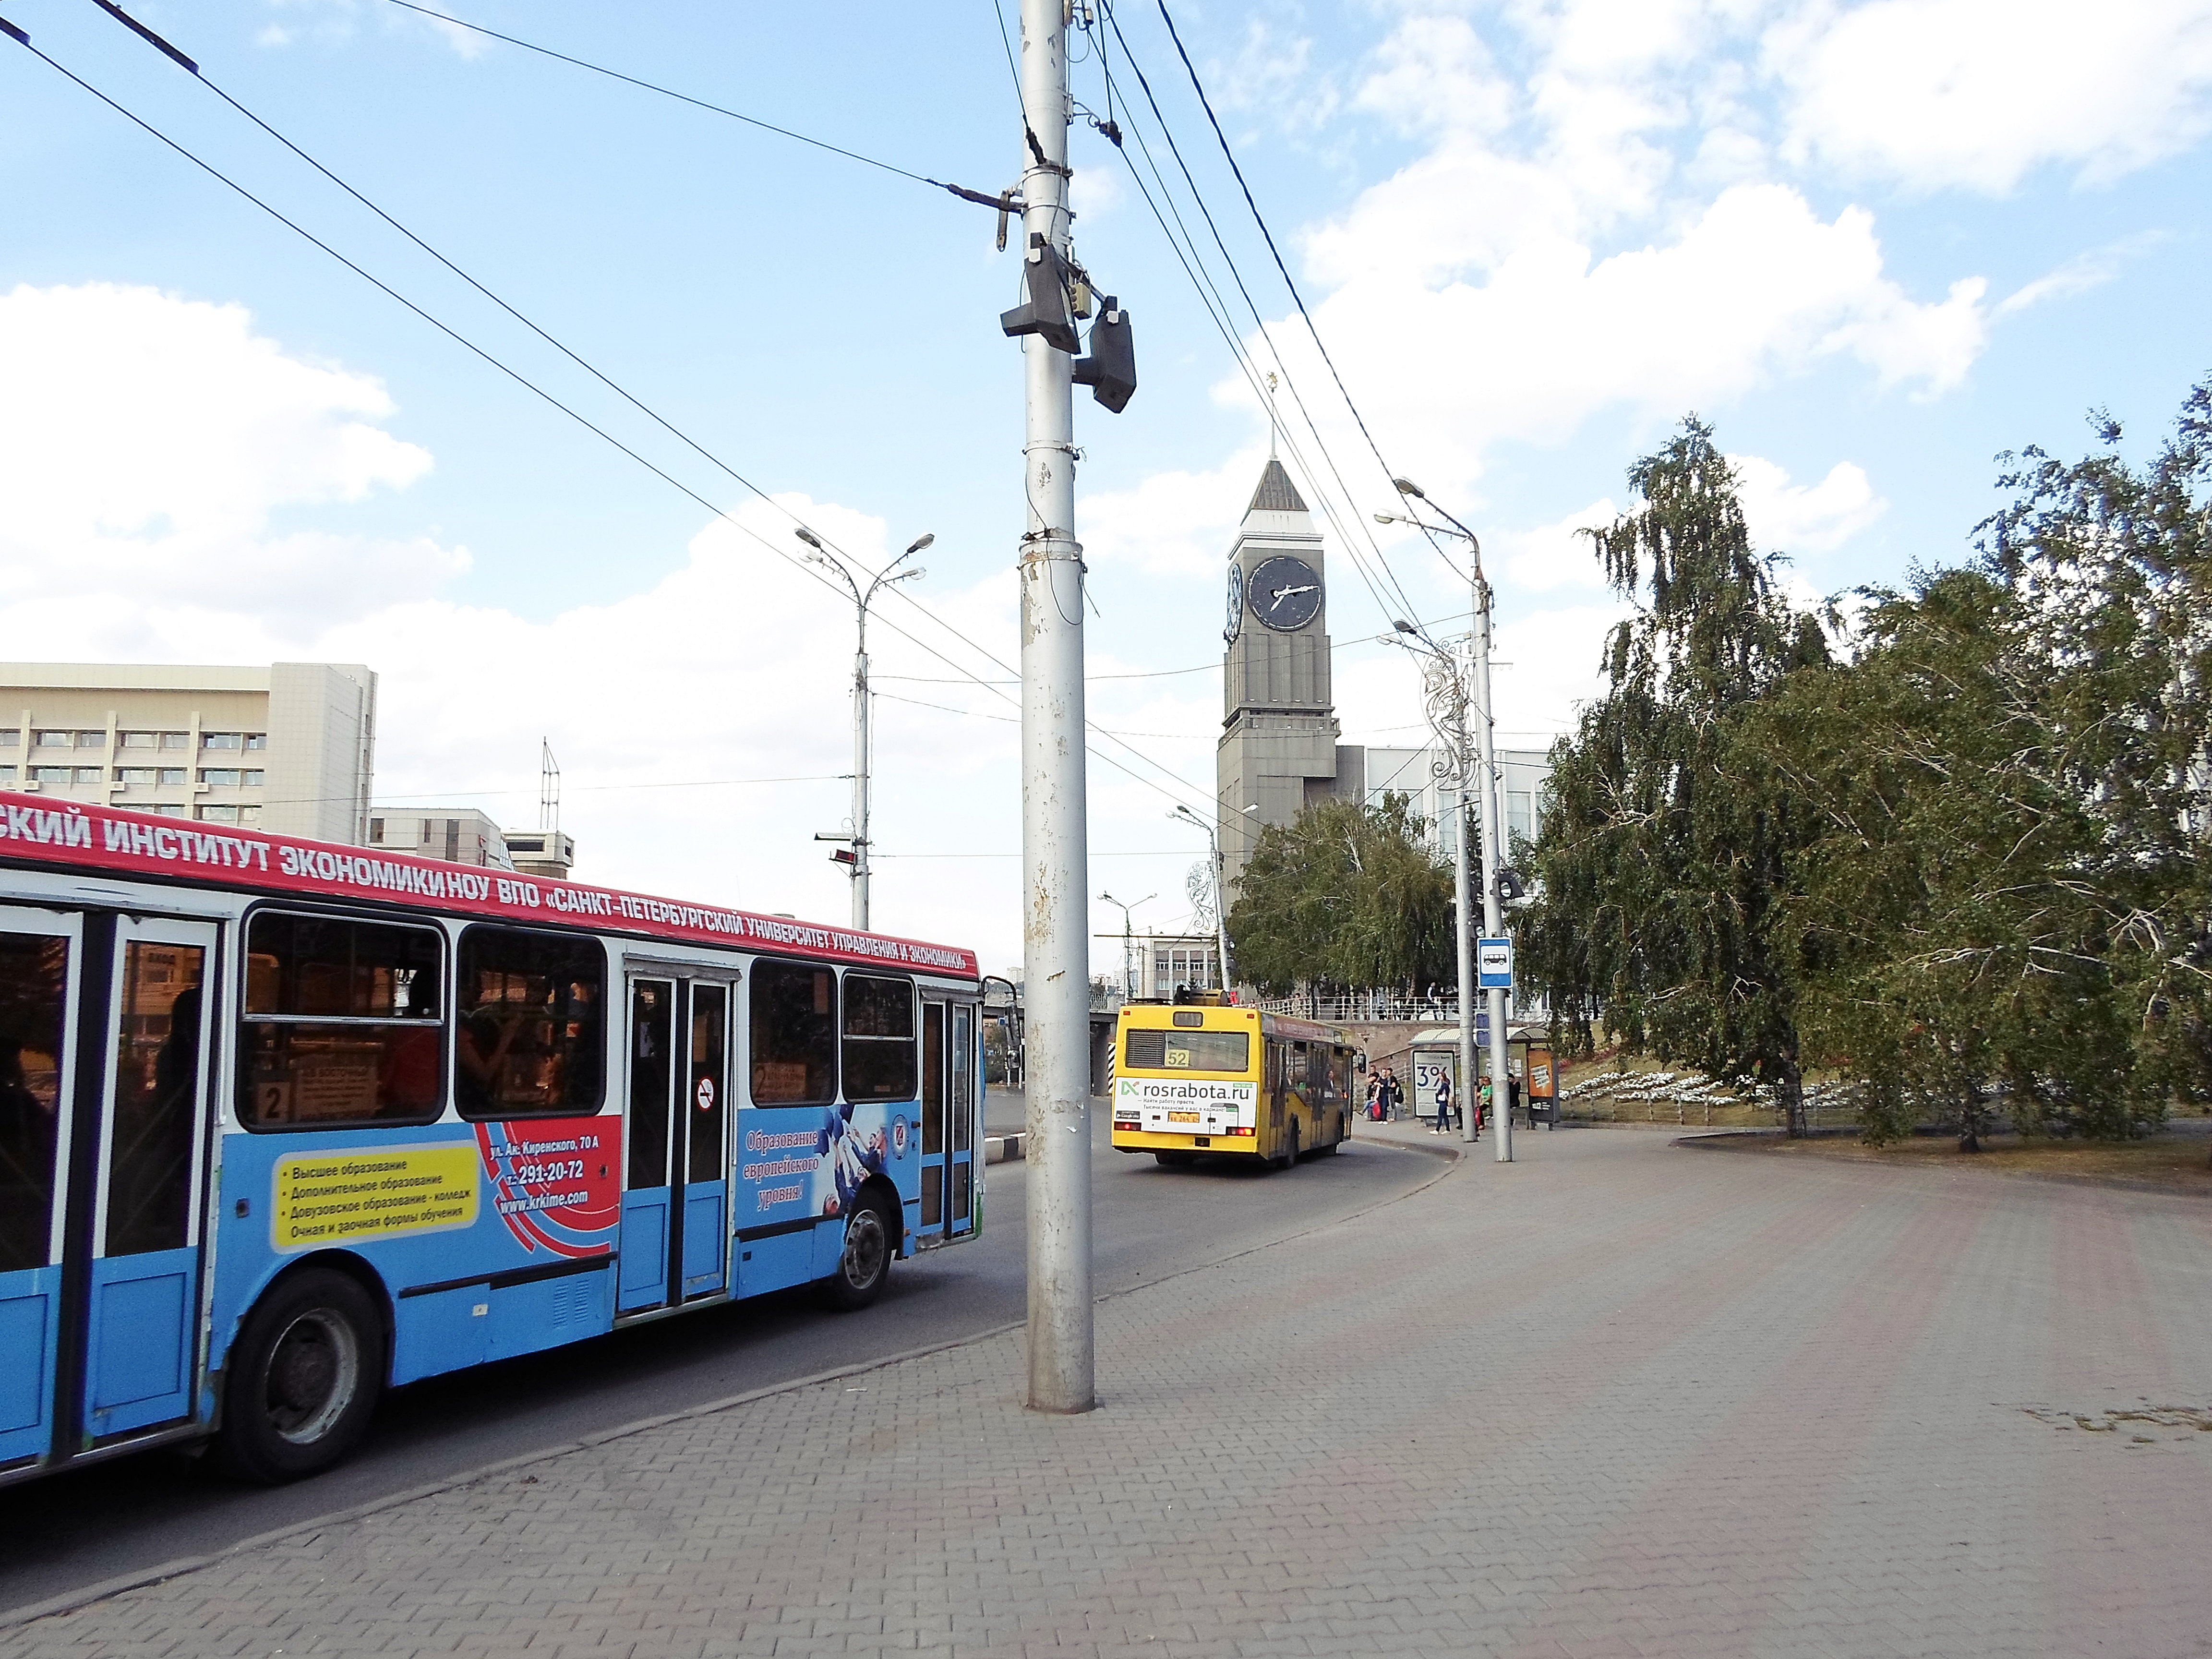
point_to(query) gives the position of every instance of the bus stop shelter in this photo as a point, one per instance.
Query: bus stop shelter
(1528, 1057)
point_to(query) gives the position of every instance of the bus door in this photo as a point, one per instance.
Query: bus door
(949, 1136)
(38, 955)
(675, 1228)
(143, 1308)
(960, 1108)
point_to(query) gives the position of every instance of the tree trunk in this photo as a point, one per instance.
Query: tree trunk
(1791, 1081)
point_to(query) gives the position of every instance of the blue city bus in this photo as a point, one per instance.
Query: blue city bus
(284, 1123)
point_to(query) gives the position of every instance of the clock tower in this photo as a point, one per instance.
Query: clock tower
(1279, 748)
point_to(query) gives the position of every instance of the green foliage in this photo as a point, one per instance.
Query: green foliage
(1347, 896)
(1950, 914)
(2112, 568)
(1668, 839)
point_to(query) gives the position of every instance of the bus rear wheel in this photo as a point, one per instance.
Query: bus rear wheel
(303, 1378)
(864, 1264)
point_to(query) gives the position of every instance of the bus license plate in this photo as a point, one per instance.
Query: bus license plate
(1183, 1117)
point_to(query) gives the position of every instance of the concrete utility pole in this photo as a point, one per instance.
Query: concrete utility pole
(862, 738)
(1486, 779)
(1493, 916)
(1054, 850)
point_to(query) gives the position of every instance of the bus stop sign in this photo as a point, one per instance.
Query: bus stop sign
(1493, 959)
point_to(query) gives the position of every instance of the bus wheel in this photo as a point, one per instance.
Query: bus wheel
(1292, 1156)
(864, 1264)
(303, 1377)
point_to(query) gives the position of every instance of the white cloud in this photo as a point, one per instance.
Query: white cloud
(1977, 93)
(1756, 288)
(1816, 518)
(1556, 555)
(146, 440)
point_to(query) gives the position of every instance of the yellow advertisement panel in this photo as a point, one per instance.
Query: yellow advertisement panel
(389, 1192)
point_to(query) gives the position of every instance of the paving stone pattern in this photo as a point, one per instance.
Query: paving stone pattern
(1620, 1398)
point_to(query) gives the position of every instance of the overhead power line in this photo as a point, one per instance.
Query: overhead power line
(681, 97)
(1268, 236)
(719, 512)
(1351, 526)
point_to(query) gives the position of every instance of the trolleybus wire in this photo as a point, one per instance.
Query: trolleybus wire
(1193, 790)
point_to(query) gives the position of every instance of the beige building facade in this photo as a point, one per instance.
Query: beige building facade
(290, 748)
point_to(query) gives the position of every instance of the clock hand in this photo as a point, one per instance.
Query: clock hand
(1282, 594)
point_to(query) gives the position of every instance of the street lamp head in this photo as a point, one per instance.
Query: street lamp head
(1408, 487)
(921, 541)
(1404, 627)
(809, 537)
(1387, 518)
(910, 575)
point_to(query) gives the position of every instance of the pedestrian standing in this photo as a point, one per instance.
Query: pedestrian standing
(1443, 1101)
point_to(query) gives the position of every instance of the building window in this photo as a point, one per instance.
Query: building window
(134, 739)
(223, 777)
(53, 739)
(92, 739)
(532, 1034)
(794, 1034)
(881, 1061)
(251, 777)
(91, 775)
(249, 815)
(52, 774)
(176, 739)
(167, 808)
(10, 736)
(218, 815)
(343, 1024)
(256, 739)
(376, 832)
(6, 774)
(222, 739)
(170, 777)
(135, 777)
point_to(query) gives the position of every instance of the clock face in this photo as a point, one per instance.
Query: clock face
(1235, 625)
(1286, 592)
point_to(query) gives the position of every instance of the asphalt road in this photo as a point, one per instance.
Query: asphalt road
(77, 1529)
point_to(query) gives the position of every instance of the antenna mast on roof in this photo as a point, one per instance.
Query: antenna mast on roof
(549, 787)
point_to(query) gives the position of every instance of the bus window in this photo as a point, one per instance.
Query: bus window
(794, 1034)
(33, 993)
(344, 1023)
(1188, 1051)
(1301, 1074)
(880, 1053)
(532, 1024)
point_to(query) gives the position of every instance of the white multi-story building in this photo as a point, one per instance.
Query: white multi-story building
(1412, 772)
(290, 748)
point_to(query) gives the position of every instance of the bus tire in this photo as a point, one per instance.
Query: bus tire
(864, 1265)
(1291, 1156)
(302, 1379)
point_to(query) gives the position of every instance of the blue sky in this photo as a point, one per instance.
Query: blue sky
(1875, 244)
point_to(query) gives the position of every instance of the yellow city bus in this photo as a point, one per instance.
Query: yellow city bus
(1193, 1081)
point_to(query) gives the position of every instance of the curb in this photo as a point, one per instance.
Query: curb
(1003, 1149)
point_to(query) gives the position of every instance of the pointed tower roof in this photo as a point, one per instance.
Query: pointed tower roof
(1276, 493)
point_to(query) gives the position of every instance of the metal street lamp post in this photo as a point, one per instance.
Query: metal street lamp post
(858, 860)
(1486, 760)
(1220, 900)
(1128, 939)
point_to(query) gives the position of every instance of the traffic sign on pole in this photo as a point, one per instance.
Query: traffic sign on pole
(1494, 963)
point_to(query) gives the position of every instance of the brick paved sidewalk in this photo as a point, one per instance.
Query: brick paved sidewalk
(1618, 1398)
